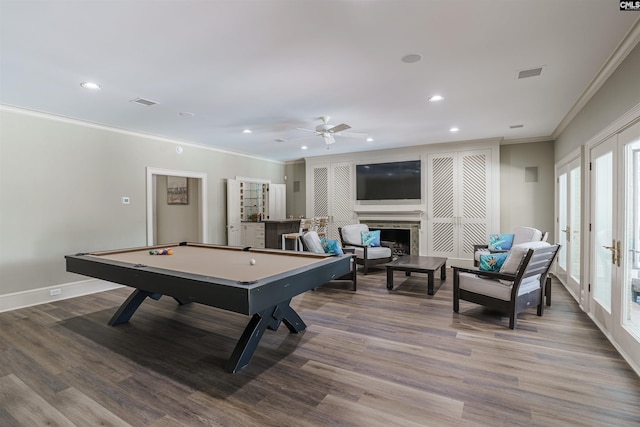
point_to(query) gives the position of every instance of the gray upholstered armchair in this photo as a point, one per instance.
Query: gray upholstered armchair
(517, 286)
(351, 236)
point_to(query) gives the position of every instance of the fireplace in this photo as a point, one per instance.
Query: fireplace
(403, 235)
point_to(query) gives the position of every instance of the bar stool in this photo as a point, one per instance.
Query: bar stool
(321, 224)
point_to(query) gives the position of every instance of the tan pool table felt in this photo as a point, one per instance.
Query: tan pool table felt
(224, 263)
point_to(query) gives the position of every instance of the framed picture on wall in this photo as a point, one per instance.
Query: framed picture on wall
(177, 190)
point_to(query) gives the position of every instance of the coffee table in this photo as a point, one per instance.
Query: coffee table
(417, 264)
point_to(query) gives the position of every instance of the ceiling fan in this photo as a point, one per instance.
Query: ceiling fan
(327, 131)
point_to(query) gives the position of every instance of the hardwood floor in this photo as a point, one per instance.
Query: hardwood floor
(369, 358)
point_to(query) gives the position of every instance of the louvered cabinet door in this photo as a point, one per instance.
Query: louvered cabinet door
(341, 199)
(474, 193)
(319, 191)
(441, 205)
(458, 200)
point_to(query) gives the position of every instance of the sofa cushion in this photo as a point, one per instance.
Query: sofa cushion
(313, 242)
(500, 242)
(352, 233)
(371, 238)
(374, 253)
(496, 288)
(517, 254)
(526, 234)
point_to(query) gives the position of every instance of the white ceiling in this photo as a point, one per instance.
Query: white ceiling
(273, 66)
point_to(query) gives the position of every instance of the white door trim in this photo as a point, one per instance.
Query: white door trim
(203, 215)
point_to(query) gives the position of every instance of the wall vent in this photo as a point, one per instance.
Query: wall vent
(143, 101)
(533, 72)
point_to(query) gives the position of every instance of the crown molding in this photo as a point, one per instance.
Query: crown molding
(527, 140)
(78, 122)
(619, 54)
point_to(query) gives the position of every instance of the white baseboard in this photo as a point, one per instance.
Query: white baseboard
(32, 297)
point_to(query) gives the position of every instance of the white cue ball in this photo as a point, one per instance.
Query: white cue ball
(252, 261)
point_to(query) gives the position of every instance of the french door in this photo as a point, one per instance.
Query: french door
(614, 252)
(569, 226)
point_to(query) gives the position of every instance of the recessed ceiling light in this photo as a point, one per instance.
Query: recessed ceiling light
(304, 147)
(411, 58)
(369, 139)
(436, 98)
(454, 129)
(247, 131)
(90, 85)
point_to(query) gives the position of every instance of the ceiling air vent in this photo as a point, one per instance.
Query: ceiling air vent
(533, 72)
(516, 126)
(145, 102)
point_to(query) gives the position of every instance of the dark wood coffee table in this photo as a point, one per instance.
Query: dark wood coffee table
(417, 264)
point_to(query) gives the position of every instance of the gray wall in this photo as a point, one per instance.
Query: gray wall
(619, 94)
(296, 193)
(523, 202)
(61, 184)
(177, 223)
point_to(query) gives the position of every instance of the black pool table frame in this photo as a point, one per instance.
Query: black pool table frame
(267, 300)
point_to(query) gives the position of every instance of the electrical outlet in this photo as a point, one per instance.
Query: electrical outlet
(54, 292)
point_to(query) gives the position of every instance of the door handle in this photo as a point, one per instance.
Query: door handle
(619, 252)
(615, 252)
(568, 231)
(612, 248)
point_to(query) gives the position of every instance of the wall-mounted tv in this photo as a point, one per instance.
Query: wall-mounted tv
(389, 181)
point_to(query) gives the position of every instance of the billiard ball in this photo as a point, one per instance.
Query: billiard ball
(252, 261)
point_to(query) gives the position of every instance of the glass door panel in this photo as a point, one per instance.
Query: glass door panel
(575, 225)
(631, 250)
(603, 229)
(563, 203)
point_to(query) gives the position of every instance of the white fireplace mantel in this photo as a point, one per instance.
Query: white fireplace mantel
(389, 213)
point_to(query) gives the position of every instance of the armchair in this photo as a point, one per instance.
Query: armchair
(520, 235)
(519, 285)
(351, 236)
(311, 243)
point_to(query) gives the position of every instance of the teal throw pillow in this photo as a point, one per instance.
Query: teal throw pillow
(371, 238)
(331, 246)
(500, 242)
(492, 262)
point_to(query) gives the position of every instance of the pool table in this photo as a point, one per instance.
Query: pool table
(218, 276)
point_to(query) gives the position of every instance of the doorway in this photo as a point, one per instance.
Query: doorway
(569, 226)
(613, 245)
(169, 218)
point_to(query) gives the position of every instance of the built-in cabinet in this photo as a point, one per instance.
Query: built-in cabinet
(459, 207)
(459, 193)
(332, 190)
(252, 200)
(252, 234)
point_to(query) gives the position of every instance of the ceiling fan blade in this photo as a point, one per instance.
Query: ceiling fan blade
(339, 128)
(352, 135)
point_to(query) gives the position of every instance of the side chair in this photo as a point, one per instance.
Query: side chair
(518, 286)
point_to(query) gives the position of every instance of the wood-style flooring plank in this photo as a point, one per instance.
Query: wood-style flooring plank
(368, 358)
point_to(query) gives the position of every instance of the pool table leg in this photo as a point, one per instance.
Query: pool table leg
(130, 306)
(269, 318)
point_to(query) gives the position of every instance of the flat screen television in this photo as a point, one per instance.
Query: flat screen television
(389, 181)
